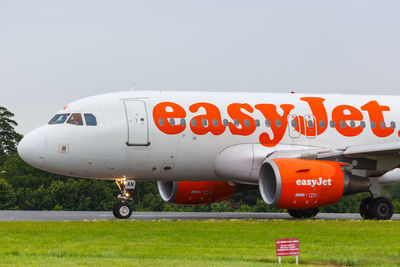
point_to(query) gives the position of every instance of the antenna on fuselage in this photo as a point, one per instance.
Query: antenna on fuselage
(133, 86)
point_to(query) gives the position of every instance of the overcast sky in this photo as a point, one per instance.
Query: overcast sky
(55, 52)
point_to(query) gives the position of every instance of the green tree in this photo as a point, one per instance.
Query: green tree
(9, 138)
(7, 196)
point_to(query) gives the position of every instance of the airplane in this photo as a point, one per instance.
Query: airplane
(301, 151)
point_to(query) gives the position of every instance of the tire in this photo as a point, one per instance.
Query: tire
(381, 209)
(364, 208)
(115, 211)
(294, 213)
(303, 214)
(122, 211)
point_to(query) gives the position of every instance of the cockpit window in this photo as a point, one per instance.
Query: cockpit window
(90, 119)
(75, 119)
(59, 118)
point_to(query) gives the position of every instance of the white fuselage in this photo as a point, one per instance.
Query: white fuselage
(130, 140)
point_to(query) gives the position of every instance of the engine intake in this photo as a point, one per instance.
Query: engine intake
(195, 193)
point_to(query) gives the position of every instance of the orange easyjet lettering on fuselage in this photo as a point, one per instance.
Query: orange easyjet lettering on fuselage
(375, 113)
(340, 118)
(278, 123)
(161, 117)
(212, 119)
(211, 122)
(235, 112)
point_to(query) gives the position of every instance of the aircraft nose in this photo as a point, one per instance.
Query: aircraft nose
(32, 149)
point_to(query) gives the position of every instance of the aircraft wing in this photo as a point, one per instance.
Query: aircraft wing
(391, 148)
(367, 160)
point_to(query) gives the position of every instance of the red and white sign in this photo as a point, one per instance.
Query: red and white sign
(287, 247)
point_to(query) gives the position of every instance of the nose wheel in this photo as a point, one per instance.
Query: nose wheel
(379, 208)
(123, 210)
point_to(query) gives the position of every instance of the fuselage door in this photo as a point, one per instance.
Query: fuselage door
(293, 123)
(138, 127)
(310, 126)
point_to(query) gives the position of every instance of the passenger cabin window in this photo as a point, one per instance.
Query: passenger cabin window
(59, 118)
(257, 123)
(90, 119)
(225, 122)
(215, 122)
(75, 119)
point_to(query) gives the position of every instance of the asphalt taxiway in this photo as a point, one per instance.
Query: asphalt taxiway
(14, 215)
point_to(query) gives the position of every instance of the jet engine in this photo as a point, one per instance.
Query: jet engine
(195, 193)
(306, 184)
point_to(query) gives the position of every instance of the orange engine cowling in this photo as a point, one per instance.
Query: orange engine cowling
(300, 183)
(195, 193)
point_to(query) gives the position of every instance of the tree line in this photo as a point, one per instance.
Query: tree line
(23, 187)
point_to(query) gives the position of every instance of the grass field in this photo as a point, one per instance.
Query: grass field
(197, 243)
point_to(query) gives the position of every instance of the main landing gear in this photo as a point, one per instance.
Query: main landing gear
(376, 207)
(303, 214)
(379, 208)
(123, 210)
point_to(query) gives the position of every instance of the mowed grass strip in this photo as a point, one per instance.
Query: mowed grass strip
(197, 243)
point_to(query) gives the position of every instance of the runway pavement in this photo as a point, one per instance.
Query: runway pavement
(8, 215)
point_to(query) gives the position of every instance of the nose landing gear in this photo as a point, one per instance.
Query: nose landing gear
(123, 210)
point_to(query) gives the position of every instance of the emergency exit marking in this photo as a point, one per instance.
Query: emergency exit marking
(288, 247)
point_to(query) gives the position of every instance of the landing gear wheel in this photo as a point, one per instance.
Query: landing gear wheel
(364, 208)
(303, 214)
(381, 208)
(122, 210)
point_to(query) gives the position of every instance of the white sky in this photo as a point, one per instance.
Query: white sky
(55, 52)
